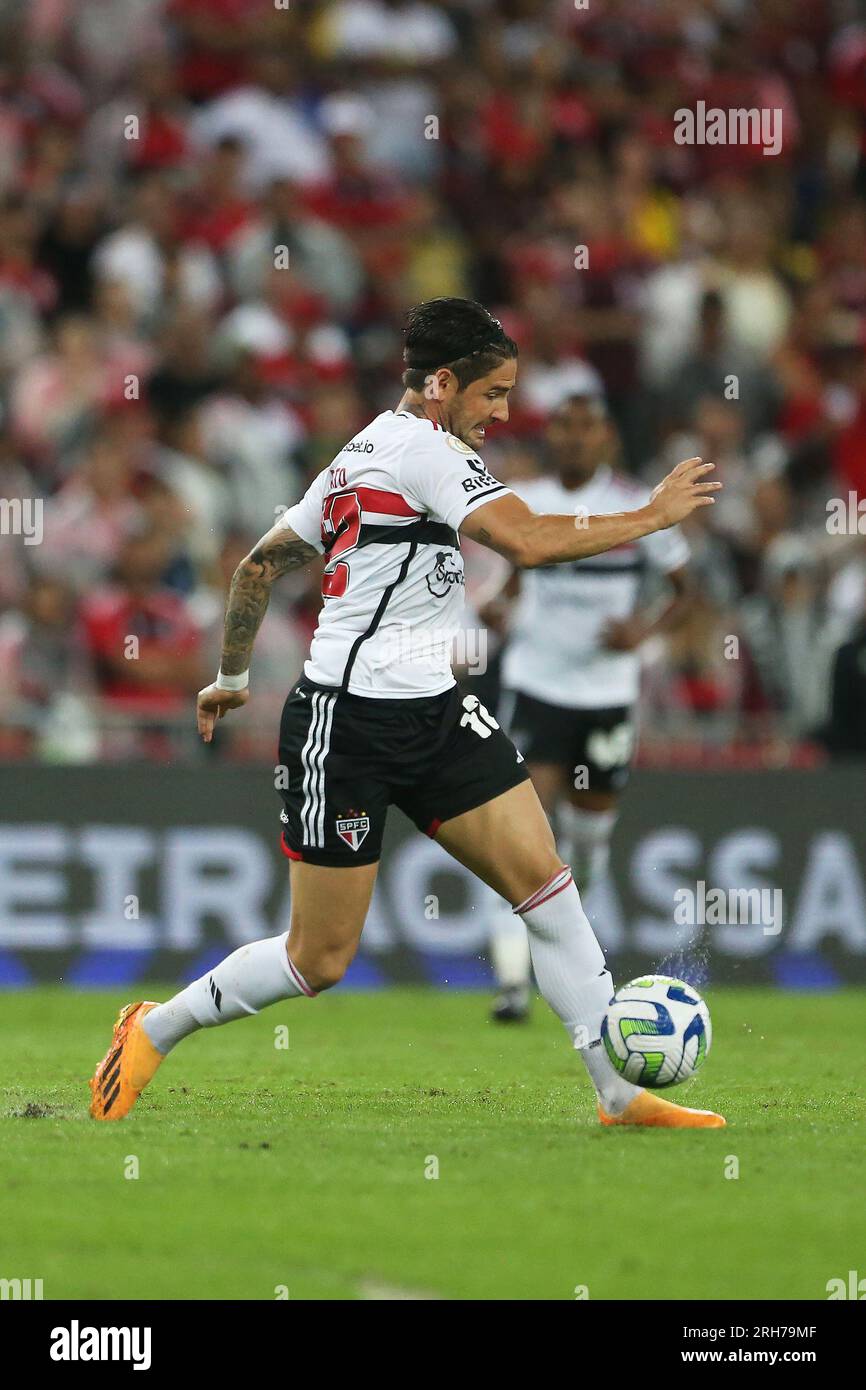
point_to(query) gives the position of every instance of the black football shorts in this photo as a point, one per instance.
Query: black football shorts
(601, 741)
(344, 759)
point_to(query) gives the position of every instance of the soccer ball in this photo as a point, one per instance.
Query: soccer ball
(657, 1031)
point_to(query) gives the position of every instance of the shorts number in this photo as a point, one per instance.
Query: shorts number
(477, 717)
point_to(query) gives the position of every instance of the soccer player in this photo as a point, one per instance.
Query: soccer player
(571, 671)
(377, 717)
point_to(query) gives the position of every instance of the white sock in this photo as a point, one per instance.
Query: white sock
(244, 983)
(570, 969)
(583, 839)
(613, 1091)
(509, 948)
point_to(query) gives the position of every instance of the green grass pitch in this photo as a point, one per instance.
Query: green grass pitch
(303, 1168)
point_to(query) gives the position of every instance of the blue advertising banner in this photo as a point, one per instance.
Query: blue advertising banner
(114, 874)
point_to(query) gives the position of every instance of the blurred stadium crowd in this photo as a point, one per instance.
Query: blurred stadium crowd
(213, 215)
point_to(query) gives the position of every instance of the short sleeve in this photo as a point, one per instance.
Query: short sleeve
(446, 478)
(305, 517)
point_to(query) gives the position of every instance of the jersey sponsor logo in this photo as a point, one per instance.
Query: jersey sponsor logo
(444, 574)
(353, 829)
(358, 446)
(481, 479)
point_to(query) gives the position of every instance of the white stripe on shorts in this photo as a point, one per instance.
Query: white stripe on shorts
(313, 760)
(330, 701)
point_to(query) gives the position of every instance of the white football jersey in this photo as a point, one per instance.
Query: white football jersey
(555, 649)
(386, 513)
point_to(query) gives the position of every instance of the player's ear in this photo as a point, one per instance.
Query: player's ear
(433, 386)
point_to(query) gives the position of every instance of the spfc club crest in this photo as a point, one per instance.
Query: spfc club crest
(353, 829)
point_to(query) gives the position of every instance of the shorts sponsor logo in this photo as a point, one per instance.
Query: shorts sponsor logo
(610, 748)
(353, 829)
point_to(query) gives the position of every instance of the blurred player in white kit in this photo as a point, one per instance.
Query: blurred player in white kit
(571, 668)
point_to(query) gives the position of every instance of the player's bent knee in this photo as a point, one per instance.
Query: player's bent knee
(321, 969)
(324, 976)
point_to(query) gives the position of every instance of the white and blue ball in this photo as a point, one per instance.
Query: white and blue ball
(657, 1031)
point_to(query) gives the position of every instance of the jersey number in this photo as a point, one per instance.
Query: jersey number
(341, 527)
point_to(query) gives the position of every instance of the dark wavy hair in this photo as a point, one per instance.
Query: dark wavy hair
(456, 333)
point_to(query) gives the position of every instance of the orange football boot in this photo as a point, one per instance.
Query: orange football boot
(127, 1067)
(650, 1109)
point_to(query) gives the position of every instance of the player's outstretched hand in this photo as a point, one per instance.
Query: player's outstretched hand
(212, 703)
(685, 488)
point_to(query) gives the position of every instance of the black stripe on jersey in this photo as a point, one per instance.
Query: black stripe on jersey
(425, 532)
(378, 615)
(587, 567)
(490, 492)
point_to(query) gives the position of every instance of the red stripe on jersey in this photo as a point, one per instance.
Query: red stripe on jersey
(375, 499)
(289, 853)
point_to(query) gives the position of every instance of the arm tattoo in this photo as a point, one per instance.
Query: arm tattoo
(276, 553)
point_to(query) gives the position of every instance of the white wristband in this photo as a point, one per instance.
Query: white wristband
(232, 682)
